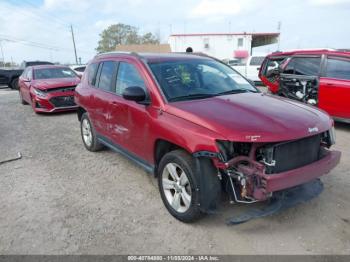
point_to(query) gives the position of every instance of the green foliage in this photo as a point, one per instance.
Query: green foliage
(121, 34)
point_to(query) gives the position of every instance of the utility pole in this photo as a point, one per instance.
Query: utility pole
(279, 25)
(2, 54)
(75, 49)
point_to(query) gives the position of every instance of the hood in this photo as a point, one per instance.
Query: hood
(254, 117)
(45, 84)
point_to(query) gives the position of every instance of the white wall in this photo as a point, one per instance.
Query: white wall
(219, 46)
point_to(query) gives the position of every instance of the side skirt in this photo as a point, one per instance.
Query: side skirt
(149, 168)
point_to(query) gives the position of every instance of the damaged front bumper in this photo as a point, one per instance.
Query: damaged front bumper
(280, 201)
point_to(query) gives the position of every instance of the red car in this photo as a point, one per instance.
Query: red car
(48, 88)
(316, 77)
(201, 128)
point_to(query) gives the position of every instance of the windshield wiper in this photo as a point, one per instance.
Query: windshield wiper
(191, 96)
(235, 91)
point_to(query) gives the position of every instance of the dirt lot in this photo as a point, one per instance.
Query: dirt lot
(62, 199)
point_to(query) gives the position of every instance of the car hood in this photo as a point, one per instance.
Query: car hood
(45, 84)
(254, 117)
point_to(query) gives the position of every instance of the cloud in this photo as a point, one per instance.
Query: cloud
(328, 2)
(212, 7)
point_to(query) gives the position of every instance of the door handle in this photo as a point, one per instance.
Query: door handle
(329, 84)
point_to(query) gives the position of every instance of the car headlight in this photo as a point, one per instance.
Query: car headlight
(39, 93)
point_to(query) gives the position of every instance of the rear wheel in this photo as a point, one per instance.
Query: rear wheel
(14, 84)
(88, 134)
(178, 186)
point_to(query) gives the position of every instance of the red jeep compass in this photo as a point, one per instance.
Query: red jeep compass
(48, 88)
(201, 128)
(316, 77)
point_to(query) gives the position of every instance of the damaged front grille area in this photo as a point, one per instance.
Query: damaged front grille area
(63, 101)
(61, 89)
(290, 155)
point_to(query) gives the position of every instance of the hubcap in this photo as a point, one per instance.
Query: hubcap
(86, 129)
(176, 187)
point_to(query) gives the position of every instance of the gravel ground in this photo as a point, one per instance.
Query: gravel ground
(61, 199)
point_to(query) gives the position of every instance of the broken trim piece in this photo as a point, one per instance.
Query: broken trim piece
(19, 156)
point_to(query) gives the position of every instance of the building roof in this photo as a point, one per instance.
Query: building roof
(227, 34)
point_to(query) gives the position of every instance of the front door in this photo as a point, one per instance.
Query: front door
(334, 90)
(129, 123)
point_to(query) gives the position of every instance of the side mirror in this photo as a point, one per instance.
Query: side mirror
(251, 82)
(135, 93)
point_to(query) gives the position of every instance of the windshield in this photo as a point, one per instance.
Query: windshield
(48, 73)
(198, 78)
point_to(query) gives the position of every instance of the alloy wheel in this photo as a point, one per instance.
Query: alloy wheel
(176, 187)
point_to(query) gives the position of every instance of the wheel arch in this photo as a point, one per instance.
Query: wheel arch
(80, 112)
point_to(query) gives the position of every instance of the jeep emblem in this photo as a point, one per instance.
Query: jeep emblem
(313, 129)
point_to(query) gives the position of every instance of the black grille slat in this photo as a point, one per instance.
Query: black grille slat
(293, 154)
(63, 101)
(61, 89)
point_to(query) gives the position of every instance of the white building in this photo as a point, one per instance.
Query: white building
(220, 45)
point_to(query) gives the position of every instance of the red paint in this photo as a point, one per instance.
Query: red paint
(196, 125)
(334, 94)
(27, 86)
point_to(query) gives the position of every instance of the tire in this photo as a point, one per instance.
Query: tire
(23, 102)
(181, 207)
(88, 134)
(14, 84)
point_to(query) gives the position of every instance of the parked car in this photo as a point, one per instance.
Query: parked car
(48, 88)
(9, 76)
(78, 69)
(317, 77)
(250, 69)
(201, 128)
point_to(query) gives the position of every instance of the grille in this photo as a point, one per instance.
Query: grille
(61, 89)
(63, 101)
(291, 155)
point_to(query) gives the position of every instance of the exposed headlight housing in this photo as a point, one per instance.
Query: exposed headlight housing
(331, 134)
(39, 92)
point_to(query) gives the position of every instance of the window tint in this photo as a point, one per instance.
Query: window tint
(338, 68)
(107, 75)
(303, 66)
(128, 76)
(92, 70)
(257, 60)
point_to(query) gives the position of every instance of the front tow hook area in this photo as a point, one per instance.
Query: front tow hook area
(280, 201)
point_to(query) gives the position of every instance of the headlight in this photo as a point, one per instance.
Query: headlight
(39, 93)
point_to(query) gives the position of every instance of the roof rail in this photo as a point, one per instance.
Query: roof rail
(119, 53)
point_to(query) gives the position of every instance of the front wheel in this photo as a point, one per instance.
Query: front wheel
(178, 186)
(23, 102)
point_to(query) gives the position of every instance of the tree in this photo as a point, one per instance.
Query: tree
(122, 34)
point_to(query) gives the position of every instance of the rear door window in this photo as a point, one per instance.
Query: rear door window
(107, 76)
(92, 72)
(309, 66)
(338, 68)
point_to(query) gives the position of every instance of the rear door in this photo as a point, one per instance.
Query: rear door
(103, 89)
(25, 83)
(334, 91)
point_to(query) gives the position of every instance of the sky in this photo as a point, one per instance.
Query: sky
(40, 29)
